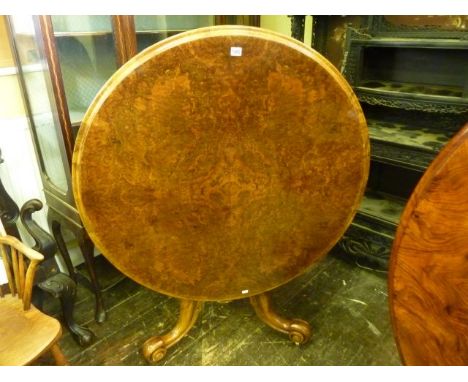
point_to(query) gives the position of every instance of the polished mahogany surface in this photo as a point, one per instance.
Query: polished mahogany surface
(428, 278)
(220, 163)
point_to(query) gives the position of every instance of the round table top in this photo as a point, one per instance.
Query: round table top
(428, 277)
(220, 163)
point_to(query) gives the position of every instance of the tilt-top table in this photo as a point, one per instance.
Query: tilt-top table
(219, 164)
(428, 278)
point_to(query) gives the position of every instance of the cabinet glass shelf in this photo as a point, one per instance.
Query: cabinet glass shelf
(81, 24)
(86, 51)
(152, 29)
(76, 116)
(82, 33)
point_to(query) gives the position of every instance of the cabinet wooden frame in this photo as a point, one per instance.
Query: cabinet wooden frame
(124, 38)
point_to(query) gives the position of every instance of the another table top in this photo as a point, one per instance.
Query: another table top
(428, 278)
(211, 173)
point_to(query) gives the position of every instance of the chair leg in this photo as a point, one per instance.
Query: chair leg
(60, 359)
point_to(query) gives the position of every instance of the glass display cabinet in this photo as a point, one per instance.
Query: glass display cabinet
(152, 29)
(62, 63)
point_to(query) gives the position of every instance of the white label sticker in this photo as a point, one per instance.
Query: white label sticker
(236, 51)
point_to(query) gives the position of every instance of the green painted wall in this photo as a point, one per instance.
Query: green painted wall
(282, 24)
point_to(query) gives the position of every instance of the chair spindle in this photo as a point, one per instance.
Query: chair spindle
(7, 266)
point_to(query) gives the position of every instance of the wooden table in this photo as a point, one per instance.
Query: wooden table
(428, 279)
(219, 164)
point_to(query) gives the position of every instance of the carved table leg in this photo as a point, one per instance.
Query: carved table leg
(63, 287)
(87, 248)
(59, 285)
(299, 330)
(62, 247)
(155, 348)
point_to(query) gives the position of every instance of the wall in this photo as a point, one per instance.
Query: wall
(19, 172)
(282, 24)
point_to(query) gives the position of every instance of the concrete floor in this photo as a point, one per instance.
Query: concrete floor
(345, 304)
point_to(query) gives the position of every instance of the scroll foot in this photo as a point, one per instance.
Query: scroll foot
(155, 348)
(63, 287)
(298, 330)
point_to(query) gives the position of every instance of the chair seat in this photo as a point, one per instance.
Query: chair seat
(24, 335)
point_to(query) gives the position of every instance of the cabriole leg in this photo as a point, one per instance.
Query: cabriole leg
(63, 287)
(155, 348)
(87, 248)
(298, 330)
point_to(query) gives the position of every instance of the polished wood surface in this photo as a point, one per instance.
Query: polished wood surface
(155, 348)
(210, 176)
(51, 56)
(428, 278)
(24, 335)
(298, 330)
(19, 275)
(25, 332)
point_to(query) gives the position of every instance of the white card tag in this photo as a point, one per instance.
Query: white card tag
(236, 51)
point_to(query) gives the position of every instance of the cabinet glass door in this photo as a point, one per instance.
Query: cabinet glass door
(86, 51)
(44, 121)
(152, 29)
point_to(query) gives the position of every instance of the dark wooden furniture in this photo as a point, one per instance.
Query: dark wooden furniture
(52, 124)
(409, 74)
(48, 279)
(25, 331)
(63, 61)
(428, 280)
(218, 165)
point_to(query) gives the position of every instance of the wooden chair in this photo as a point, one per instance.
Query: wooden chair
(25, 332)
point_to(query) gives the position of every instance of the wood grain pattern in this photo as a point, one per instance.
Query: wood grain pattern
(428, 278)
(207, 176)
(25, 334)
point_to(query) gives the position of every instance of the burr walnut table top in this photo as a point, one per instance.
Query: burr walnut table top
(220, 163)
(428, 277)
